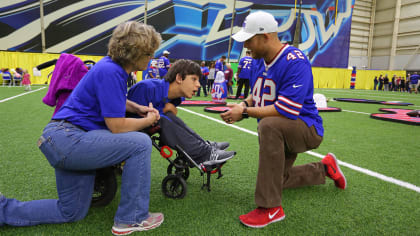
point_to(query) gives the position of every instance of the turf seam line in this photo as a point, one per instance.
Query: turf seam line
(348, 165)
(10, 98)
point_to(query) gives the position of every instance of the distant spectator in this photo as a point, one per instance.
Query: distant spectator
(243, 74)
(414, 82)
(26, 80)
(386, 83)
(17, 76)
(229, 78)
(381, 83)
(219, 66)
(375, 82)
(211, 76)
(7, 77)
(153, 70)
(402, 84)
(203, 79)
(164, 64)
(392, 84)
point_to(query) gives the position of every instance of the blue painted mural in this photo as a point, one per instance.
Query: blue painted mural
(195, 29)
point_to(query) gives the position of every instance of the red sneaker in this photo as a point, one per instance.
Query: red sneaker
(261, 217)
(334, 171)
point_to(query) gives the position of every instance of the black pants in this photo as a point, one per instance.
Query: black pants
(241, 83)
(175, 132)
(203, 83)
(210, 83)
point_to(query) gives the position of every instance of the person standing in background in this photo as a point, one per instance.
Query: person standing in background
(375, 82)
(386, 83)
(229, 77)
(211, 76)
(414, 82)
(381, 83)
(153, 71)
(26, 80)
(219, 66)
(164, 64)
(203, 79)
(244, 69)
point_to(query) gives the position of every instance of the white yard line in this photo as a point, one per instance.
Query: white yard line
(348, 165)
(10, 98)
(359, 112)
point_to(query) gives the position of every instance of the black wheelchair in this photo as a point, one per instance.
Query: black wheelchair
(174, 185)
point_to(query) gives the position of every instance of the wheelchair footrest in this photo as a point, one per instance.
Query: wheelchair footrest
(209, 170)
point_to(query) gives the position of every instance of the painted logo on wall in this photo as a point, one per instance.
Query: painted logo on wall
(198, 30)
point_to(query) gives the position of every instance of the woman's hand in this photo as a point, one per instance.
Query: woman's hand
(152, 114)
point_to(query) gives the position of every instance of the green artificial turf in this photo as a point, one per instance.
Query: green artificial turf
(369, 206)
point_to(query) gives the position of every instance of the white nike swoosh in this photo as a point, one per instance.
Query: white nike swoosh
(297, 86)
(270, 216)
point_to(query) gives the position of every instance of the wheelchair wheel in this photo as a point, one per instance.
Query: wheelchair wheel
(184, 172)
(105, 187)
(174, 186)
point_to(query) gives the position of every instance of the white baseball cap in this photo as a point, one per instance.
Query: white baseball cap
(166, 52)
(259, 22)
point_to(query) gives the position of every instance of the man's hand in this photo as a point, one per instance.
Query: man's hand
(235, 114)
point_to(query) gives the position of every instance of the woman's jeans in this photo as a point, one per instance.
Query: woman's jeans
(76, 154)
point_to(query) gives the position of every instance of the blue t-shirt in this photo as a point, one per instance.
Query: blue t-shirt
(414, 79)
(205, 70)
(163, 65)
(245, 65)
(154, 91)
(101, 93)
(286, 82)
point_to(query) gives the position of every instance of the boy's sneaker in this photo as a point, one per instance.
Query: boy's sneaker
(219, 156)
(261, 217)
(154, 220)
(218, 145)
(334, 171)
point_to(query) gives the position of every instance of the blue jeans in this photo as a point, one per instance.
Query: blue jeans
(76, 154)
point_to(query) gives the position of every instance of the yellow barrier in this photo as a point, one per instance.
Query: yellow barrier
(28, 61)
(340, 78)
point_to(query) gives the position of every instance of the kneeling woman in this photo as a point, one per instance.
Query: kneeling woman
(89, 132)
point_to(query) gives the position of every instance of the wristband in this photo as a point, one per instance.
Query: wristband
(245, 113)
(246, 103)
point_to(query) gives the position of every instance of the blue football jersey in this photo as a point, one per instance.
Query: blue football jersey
(287, 83)
(245, 65)
(163, 64)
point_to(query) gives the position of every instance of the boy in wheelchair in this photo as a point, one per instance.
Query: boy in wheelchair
(182, 80)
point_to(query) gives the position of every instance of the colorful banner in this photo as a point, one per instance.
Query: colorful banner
(197, 30)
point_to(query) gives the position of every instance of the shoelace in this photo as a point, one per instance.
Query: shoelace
(213, 155)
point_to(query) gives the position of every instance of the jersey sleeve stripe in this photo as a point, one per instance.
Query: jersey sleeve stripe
(289, 102)
(286, 109)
